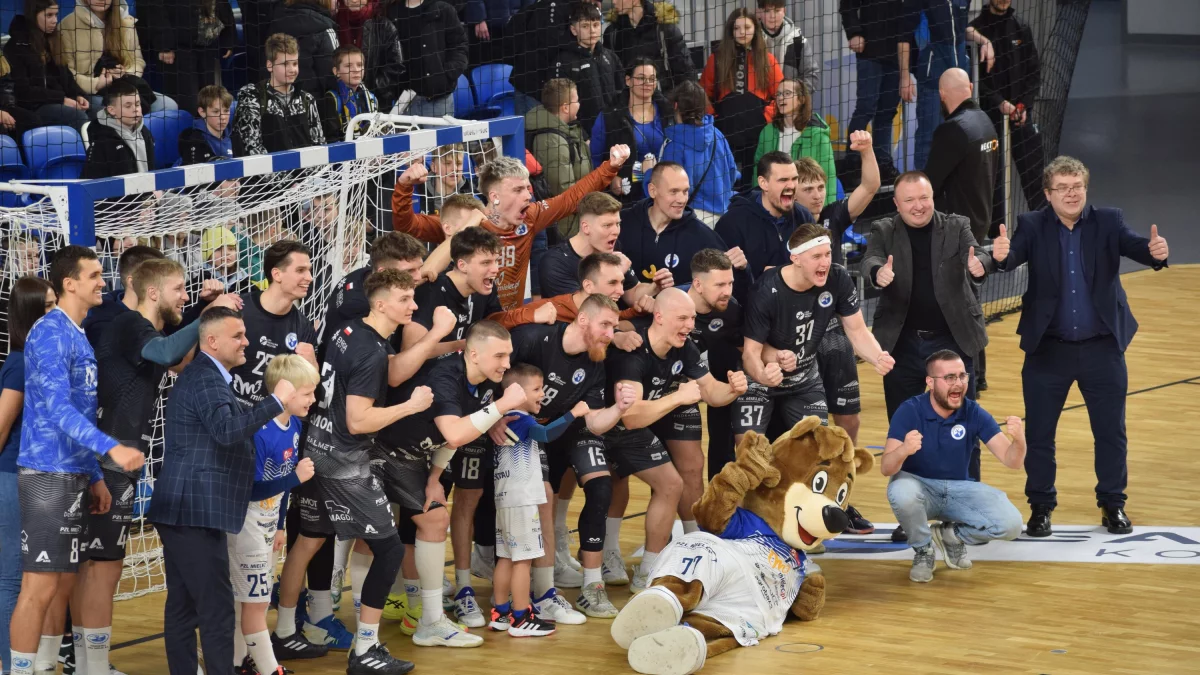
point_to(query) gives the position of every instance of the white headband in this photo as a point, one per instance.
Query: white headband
(811, 243)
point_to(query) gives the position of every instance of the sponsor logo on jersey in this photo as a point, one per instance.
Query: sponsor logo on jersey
(677, 367)
(89, 375)
(959, 432)
(337, 512)
(656, 456)
(825, 299)
(368, 530)
(24, 542)
(672, 260)
(127, 495)
(70, 529)
(266, 342)
(577, 377)
(556, 379)
(287, 454)
(74, 509)
(841, 401)
(522, 230)
(43, 557)
(716, 325)
(291, 341)
(803, 315)
(350, 285)
(655, 381)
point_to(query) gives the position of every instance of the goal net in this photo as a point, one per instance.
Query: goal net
(217, 219)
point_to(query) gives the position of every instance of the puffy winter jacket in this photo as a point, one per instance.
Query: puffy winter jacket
(795, 54)
(560, 149)
(705, 155)
(316, 32)
(82, 36)
(439, 53)
(656, 37)
(813, 142)
(36, 83)
(596, 74)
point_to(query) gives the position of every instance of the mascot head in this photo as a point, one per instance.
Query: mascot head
(817, 467)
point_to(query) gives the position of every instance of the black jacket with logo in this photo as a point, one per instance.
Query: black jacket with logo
(962, 166)
(596, 74)
(1016, 77)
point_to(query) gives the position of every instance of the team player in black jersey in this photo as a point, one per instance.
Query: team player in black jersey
(348, 500)
(786, 319)
(667, 373)
(571, 357)
(132, 354)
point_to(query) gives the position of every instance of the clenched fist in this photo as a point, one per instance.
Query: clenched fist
(772, 375)
(617, 155)
(513, 397)
(860, 141)
(415, 173)
(444, 321)
(627, 340)
(306, 351)
(305, 470)
(689, 393)
(737, 381)
(912, 442)
(625, 396)
(129, 459)
(885, 363)
(737, 257)
(786, 359)
(1016, 428)
(210, 289)
(421, 399)
(546, 314)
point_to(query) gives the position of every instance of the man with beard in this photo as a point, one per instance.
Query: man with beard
(666, 373)
(132, 355)
(571, 355)
(931, 441)
(786, 319)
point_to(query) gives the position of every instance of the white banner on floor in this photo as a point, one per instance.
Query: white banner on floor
(1149, 544)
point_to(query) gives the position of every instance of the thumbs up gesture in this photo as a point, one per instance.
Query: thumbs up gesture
(885, 275)
(1000, 245)
(973, 265)
(1158, 245)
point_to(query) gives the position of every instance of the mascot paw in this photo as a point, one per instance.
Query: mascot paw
(811, 600)
(756, 455)
(679, 650)
(650, 611)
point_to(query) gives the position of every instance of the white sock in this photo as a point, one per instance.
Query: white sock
(22, 662)
(78, 645)
(259, 645)
(320, 605)
(96, 641)
(462, 578)
(612, 534)
(239, 642)
(591, 576)
(560, 518)
(412, 588)
(285, 623)
(690, 526)
(430, 560)
(367, 637)
(648, 559)
(47, 653)
(543, 581)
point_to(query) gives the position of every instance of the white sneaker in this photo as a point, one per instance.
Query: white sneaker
(648, 613)
(614, 569)
(556, 608)
(335, 587)
(480, 566)
(594, 602)
(566, 576)
(679, 650)
(562, 549)
(640, 581)
(443, 633)
(448, 588)
(467, 610)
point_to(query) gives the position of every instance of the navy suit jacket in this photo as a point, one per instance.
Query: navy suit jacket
(208, 460)
(1105, 239)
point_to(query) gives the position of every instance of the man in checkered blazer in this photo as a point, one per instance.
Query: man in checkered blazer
(203, 489)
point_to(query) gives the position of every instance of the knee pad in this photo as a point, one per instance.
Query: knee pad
(389, 554)
(597, 498)
(389, 550)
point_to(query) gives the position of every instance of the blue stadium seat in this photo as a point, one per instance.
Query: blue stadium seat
(464, 101)
(490, 81)
(12, 167)
(54, 152)
(166, 126)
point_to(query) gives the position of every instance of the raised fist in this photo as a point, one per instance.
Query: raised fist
(617, 155)
(514, 396)
(444, 321)
(689, 393)
(625, 395)
(421, 399)
(415, 173)
(912, 442)
(305, 470)
(772, 375)
(546, 314)
(737, 381)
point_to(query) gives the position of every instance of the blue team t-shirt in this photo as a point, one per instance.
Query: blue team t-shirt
(275, 449)
(946, 444)
(746, 524)
(12, 376)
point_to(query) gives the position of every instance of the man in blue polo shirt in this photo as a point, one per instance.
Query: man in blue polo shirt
(928, 452)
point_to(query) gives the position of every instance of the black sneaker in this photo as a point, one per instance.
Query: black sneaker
(530, 625)
(858, 524)
(247, 667)
(377, 661)
(296, 646)
(66, 654)
(899, 536)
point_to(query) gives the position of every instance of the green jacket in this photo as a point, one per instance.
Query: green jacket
(560, 149)
(813, 142)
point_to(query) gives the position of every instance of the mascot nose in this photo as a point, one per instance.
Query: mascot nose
(836, 520)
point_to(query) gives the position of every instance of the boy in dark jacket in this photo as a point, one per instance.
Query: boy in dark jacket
(211, 124)
(349, 96)
(274, 115)
(120, 143)
(650, 29)
(434, 46)
(593, 68)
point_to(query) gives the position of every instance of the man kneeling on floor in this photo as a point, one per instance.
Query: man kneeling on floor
(928, 450)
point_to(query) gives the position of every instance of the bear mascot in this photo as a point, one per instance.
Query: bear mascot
(734, 582)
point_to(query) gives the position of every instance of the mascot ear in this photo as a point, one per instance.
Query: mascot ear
(863, 461)
(804, 426)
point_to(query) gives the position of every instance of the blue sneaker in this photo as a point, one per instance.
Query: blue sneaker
(331, 632)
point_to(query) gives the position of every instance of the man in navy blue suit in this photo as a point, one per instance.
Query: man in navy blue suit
(203, 490)
(1075, 326)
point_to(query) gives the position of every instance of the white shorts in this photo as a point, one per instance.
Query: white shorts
(252, 560)
(519, 533)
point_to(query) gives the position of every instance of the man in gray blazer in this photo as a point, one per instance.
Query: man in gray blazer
(927, 265)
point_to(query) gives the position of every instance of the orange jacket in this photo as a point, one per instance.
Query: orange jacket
(514, 259)
(708, 80)
(567, 311)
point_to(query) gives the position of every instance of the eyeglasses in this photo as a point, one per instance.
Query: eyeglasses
(954, 378)
(645, 79)
(1068, 190)
(784, 94)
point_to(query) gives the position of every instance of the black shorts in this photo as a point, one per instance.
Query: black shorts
(839, 372)
(681, 424)
(580, 450)
(351, 508)
(54, 520)
(634, 451)
(108, 531)
(471, 467)
(403, 474)
(754, 410)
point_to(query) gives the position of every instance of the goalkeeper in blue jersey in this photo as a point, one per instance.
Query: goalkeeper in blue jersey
(522, 477)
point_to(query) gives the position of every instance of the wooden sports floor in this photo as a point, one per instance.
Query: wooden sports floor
(1000, 617)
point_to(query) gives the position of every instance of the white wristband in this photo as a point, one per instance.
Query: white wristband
(484, 419)
(442, 457)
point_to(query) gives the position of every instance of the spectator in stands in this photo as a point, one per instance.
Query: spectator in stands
(14, 120)
(1010, 89)
(274, 114)
(434, 46)
(42, 82)
(741, 79)
(792, 51)
(641, 28)
(871, 27)
(187, 37)
(23, 255)
(219, 249)
(311, 23)
(100, 45)
(31, 299)
(486, 22)
(700, 148)
(557, 142)
(799, 131)
(361, 23)
(594, 69)
(533, 37)
(638, 119)
(349, 96)
(211, 127)
(120, 143)
(447, 177)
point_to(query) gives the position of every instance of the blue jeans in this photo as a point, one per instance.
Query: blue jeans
(933, 60)
(10, 557)
(878, 95)
(431, 107)
(981, 512)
